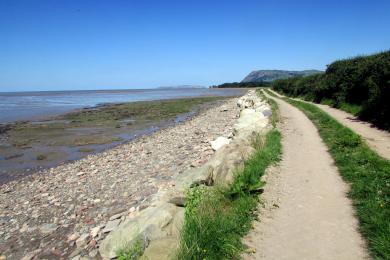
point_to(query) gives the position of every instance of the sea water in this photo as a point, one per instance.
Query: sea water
(19, 106)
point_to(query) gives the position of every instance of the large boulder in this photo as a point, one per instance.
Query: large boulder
(194, 177)
(229, 160)
(250, 123)
(247, 112)
(162, 249)
(151, 224)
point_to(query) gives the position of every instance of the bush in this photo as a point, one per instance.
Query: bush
(359, 85)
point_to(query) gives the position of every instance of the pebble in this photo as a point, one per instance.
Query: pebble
(116, 216)
(73, 237)
(30, 255)
(94, 231)
(48, 228)
(82, 240)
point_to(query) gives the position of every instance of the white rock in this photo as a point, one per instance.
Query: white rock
(94, 231)
(219, 142)
(247, 111)
(73, 237)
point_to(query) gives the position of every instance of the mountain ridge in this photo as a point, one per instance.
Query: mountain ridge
(271, 75)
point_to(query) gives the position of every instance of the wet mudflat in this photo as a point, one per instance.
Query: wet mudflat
(30, 146)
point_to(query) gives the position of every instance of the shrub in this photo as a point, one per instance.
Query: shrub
(359, 85)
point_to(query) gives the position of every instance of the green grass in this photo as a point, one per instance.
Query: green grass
(133, 252)
(365, 171)
(350, 108)
(347, 107)
(139, 111)
(217, 218)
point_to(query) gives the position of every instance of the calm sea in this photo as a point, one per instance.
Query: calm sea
(15, 106)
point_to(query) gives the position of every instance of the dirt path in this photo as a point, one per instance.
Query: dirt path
(377, 139)
(306, 213)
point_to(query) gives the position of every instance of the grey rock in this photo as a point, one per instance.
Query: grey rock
(151, 223)
(119, 215)
(83, 240)
(48, 228)
(267, 112)
(229, 160)
(178, 201)
(194, 177)
(111, 225)
(162, 249)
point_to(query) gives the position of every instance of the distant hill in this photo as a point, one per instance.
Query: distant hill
(271, 75)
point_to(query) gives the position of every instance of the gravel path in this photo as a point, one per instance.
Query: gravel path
(306, 214)
(69, 209)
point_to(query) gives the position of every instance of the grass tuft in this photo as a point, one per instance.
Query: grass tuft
(133, 252)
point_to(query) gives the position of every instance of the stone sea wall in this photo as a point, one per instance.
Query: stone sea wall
(157, 228)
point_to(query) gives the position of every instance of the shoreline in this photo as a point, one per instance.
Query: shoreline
(19, 160)
(51, 104)
(43, 214)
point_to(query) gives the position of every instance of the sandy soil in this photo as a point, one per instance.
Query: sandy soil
(306, 214)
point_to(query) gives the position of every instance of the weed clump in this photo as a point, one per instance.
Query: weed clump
(41, 157)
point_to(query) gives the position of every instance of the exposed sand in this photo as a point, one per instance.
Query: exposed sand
(306, 213)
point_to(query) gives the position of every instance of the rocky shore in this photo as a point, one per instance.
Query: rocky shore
(31, 146)
(67, 211)
(155, 232)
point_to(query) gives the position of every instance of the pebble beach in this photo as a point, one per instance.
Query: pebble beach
(67, 210)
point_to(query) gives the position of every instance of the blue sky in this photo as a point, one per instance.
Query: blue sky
(64, 44)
